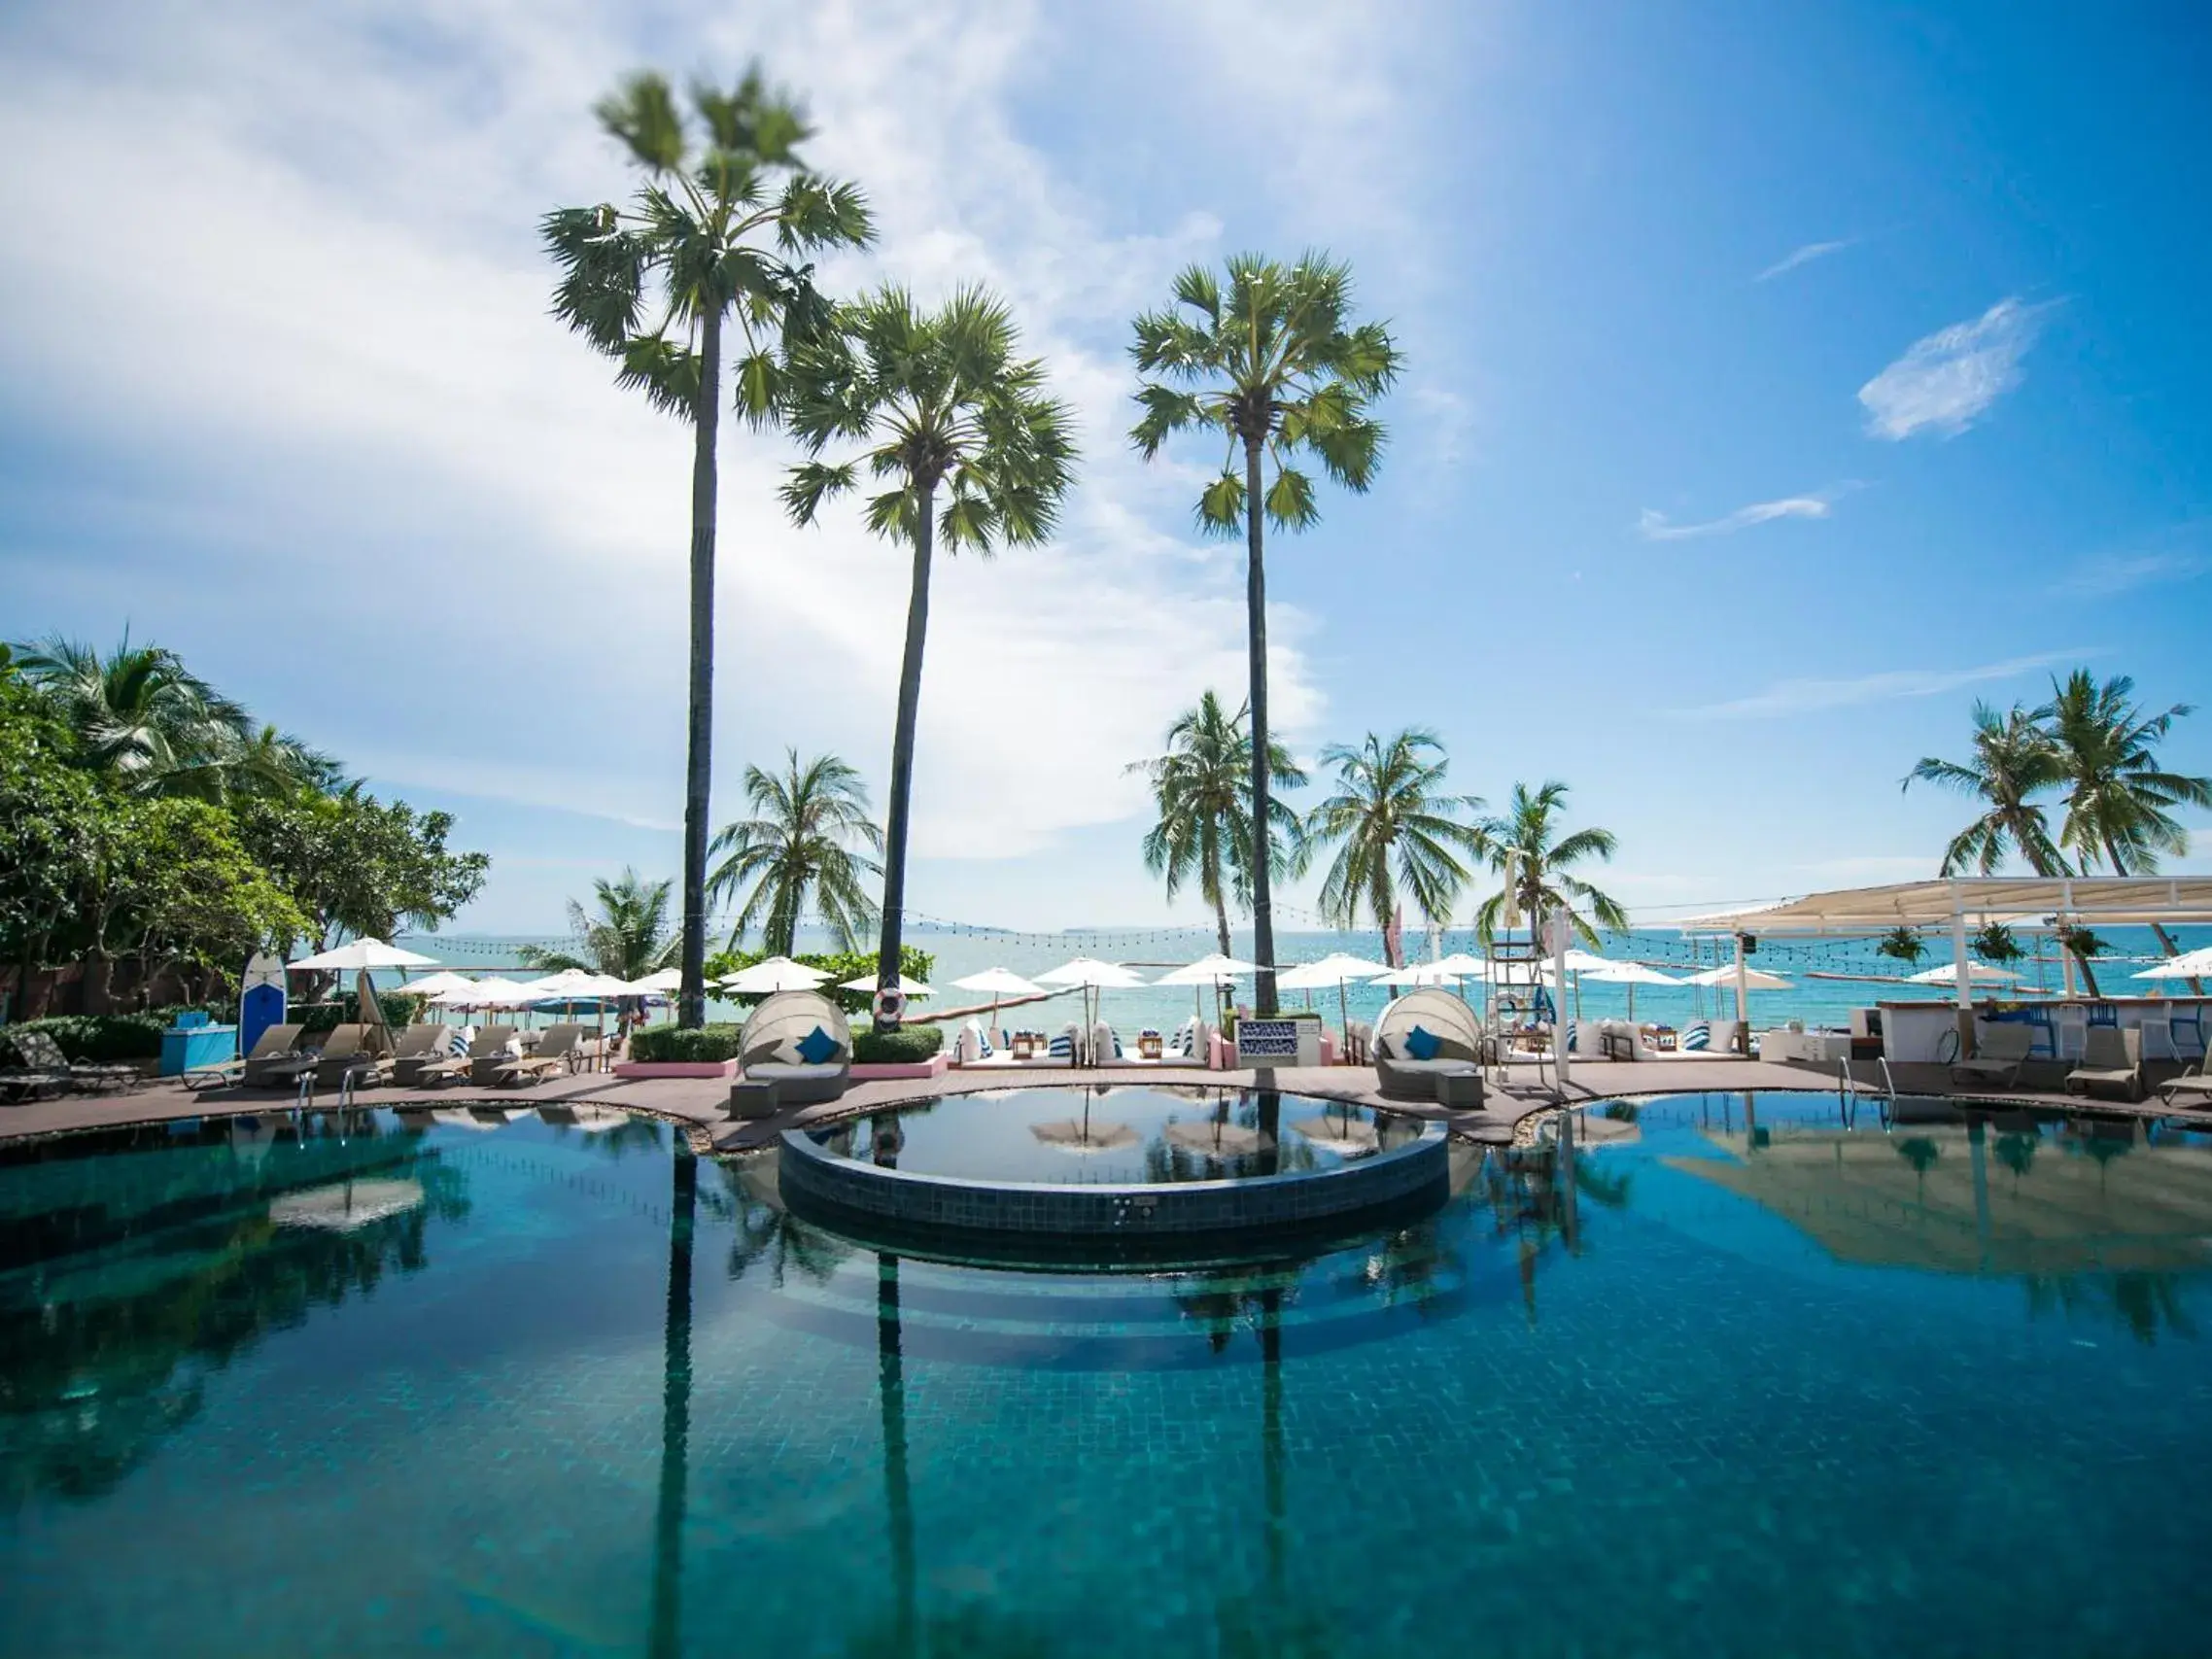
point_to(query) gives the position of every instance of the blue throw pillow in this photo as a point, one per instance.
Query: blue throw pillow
(817, 1047)
(1421, 1042)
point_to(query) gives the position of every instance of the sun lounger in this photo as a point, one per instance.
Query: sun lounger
(2112, 1059)
(350, 1051)
(1999, 1055)
(490, 1045)
(276, 1060)
(419, 1046)
(42, 1054)
(2188, 1086)
(551, 1055)
(27, 1082)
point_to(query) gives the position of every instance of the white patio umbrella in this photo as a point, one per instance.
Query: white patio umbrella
(1753, 979)
(999, 982)
(2188, 965)
(490, 993)
(1090, 976)
(571, 986)
(1976, 973)
(1417, 973)
(777, 973)
(437, 984)
(1631, 974)
(361, 954)
(1216, 970)
(1339, 970)
(658, 984)
(907, 987)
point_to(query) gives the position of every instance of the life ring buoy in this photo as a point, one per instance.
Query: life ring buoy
(889, 1003)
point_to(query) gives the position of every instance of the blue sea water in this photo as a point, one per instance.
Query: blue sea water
(1818, 1001)
(1749, 1379)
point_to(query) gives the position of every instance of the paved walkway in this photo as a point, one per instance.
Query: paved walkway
(701, 1103)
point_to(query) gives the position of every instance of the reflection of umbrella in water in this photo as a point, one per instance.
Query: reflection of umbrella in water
(1340, 1129)
(1080, 1137)
(460, 1119)
(1216, 1138)
(347, 1205)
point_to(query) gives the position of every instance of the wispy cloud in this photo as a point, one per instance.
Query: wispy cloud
(1654, 526)
(1945, 383)
(1804, 256)
(2113, 574)
(1812, 696)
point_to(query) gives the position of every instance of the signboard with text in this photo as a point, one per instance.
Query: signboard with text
(1261, 1043)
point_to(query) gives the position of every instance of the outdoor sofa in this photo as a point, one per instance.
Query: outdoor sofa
(1419, 1036)
(799, 1041)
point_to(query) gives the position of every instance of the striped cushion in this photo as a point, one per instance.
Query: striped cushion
(1698, 1036)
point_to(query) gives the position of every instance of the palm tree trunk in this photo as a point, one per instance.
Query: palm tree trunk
(902, 756)
(698, 761)
(1221, 915)
(1255, 648)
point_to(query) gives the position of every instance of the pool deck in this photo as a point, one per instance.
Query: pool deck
(701, 1103)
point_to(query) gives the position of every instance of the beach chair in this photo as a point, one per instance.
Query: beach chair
(350, 1051)
(490, 1045)
(1068, 1046)
(276, 1059)
(20, 1082)
(1105, 1044)
(2112, 1058)
(799, 1041)
(556, 1053)
(973, 1046)
(41, 1053)
(2189, 1086)
(419, 1046)
(2000, 1053)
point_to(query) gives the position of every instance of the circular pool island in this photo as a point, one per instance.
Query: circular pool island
(1115, 1167)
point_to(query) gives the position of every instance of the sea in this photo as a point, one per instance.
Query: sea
(1863, 975)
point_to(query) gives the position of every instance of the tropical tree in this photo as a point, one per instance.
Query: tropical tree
(1398, 827)
(1277, 368)
(1538, 864)
(941, 404)
(628, 938)
(1202, 790)
(154, 727)
(715, 236)
(2014, 761)
(800, 840)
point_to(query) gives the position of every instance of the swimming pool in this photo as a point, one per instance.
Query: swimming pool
(1740, 1379)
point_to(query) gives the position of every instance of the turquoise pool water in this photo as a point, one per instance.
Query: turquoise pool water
(1748, 1382)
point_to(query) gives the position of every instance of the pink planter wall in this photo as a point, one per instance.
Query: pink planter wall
(935, 1067)
(676, 1068)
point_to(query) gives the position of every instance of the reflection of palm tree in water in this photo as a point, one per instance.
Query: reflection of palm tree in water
(676, 1413)
(2017, 1153)
(1922, 1154)
(2141, 1301)
(898, 1495)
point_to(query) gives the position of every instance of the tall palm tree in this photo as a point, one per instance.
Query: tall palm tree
(943, 404)
(714, 234)
(1202, 789)
(2014, 761)
(2116, 794)
(1276, 367)
(807, 822)
(1398, 828)
(629, 938)
(1538, 862)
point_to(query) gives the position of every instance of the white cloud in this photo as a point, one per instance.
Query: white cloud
(1946, 382)
(326, 305)
(1654, 526)
(1804, 256)
(1812, 696)
(2123, 572)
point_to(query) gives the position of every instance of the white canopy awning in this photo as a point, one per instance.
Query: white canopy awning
(2115, 900)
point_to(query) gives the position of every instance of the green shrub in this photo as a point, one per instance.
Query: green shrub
(103, 1039)
(400, 1009)
(908, 1045)
(670, 1042)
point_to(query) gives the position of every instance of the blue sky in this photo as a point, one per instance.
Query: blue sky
(1780, 379)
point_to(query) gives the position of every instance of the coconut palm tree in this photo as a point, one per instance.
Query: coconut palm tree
(140, 715)
(629, 937)
(715, 235)
(1537, 862)
(1275, 367)
(2117, 795)
(1202, 789)
(945, 409)
(1399, 828)
(2014, 761)
(801, 840)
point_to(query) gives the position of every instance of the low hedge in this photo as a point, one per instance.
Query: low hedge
(908, 1045)
(102, 1039)
(665, 1044)
(668, 1044)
